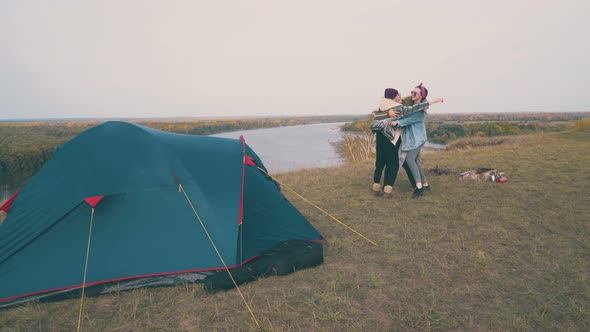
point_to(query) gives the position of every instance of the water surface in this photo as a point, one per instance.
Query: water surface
(290, 148)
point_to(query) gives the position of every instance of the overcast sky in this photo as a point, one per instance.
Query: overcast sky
(123, 58)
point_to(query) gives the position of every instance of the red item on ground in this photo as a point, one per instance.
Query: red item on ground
(502, 180)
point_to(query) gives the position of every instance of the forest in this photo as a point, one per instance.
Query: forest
(449, 129)
(444, 128)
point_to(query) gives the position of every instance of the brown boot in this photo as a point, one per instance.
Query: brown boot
(376, 190)
(388, 191)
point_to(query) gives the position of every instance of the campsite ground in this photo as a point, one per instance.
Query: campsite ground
(469, 256)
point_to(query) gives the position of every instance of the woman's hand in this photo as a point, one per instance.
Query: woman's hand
(437, 100)
(393, 113)
(393, 123)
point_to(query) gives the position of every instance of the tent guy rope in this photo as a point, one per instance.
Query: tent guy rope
(181, 188)
(85, 270)
(319, 208)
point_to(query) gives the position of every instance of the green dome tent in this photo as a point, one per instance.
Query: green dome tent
(157, 201)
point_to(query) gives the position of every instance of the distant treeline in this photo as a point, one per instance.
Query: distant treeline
(445, 133)
(210, 127)
(26, 146)
(437, 118)
(444, 128)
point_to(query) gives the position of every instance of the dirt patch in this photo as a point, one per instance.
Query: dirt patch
(474, 142)
(440, 170)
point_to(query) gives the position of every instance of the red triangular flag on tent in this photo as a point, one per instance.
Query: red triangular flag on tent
(249, 161)
(94, 200)
(6, 206)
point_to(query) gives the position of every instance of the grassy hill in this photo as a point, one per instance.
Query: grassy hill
(469, 256)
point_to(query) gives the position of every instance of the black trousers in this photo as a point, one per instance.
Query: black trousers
(388, 159)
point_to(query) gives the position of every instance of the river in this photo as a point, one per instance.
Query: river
(285, 149)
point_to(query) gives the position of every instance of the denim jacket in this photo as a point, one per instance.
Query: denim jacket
(414, 131)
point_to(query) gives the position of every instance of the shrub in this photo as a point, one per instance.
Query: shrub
(582, 125)
(358, 145)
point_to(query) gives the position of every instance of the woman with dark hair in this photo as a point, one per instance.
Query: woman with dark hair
(386, 152)
(413, 139)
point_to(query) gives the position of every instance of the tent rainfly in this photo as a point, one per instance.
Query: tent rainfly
(165, 208)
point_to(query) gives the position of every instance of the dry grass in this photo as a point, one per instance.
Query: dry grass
(470, 256)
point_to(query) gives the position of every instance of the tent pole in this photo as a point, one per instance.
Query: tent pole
(241, 243)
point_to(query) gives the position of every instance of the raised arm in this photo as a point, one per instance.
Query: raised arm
(403, 111)
(437, 100)
(412, 114)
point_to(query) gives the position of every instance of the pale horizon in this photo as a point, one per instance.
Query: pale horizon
(180, 59)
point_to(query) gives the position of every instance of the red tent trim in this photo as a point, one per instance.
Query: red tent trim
(88, 284)
(6, 206)
(94, 200)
